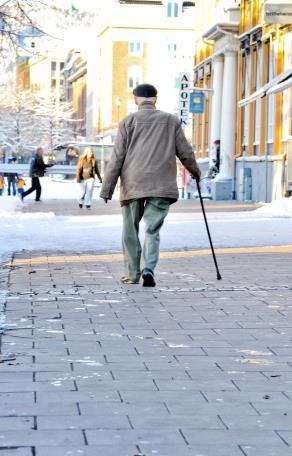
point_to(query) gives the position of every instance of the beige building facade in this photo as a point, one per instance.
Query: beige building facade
(245, 59)
(142, 42)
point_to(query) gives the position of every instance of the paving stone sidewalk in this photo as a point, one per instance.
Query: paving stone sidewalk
(192, 367)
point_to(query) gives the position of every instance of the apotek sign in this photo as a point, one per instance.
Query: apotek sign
(184, 96)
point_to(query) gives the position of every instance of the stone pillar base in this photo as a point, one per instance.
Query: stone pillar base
(221, 189)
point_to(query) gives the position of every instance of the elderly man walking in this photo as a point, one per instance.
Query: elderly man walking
(144, 158)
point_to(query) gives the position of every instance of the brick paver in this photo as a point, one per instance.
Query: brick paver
(191, 367)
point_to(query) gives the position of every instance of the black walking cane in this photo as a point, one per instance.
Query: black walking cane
(207, 227)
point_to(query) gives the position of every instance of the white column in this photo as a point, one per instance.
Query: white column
(228, 116)
(218, 65)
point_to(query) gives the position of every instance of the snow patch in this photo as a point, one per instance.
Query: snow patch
(278, 208)
(9, 205)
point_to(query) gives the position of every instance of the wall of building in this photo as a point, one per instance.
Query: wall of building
(262, 127)
(170, 50)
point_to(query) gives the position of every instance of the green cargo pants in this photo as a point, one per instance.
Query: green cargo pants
(154, 211)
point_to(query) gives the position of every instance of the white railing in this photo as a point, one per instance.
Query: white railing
(24, 169)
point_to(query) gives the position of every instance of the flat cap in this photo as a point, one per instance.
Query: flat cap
(145, 91)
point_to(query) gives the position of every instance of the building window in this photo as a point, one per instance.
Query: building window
(134, 77)
(172, 9)
(135, 48)
(172, 47)
(53, 66)
(133, 81)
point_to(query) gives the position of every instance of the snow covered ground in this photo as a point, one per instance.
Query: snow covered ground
(270, 225)
(54, 188)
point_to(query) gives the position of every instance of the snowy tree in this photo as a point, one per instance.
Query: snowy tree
(56, 118)
(16, 15)
(19, 127)
(28, 121)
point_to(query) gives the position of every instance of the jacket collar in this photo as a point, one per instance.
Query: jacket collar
(147, 105)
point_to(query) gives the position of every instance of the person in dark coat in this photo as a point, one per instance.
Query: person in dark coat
(37, 169)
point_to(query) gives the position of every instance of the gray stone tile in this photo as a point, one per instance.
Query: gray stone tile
(92, 394)
(124, 408)
(271, 422)
(35, 437)
(18, 387)
(135, 436)
(191, 450)
(239, 437)
(142, 422)
(15, 451)
(92, 450)
(15, 423)
(32, 409)
(261, 450)
(83, 422)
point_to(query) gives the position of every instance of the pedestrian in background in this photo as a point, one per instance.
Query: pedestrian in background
(11, 179)
(214, 166)
(216, 154)
(37, 169)
(2, 184)
(20, 185)
(144, 158)
(86, 172)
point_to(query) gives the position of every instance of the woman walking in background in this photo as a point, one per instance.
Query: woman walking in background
(86, 172)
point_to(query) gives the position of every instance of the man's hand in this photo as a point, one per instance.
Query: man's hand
(105, 200)
(197, 175)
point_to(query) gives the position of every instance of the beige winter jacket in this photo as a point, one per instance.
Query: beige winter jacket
(144, 156)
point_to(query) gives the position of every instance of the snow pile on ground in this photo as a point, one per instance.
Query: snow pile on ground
(58, 189)
(278, 208)
(9, 205)
(54, 188)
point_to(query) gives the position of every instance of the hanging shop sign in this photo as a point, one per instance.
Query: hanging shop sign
(197, 102)
(184, 97)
